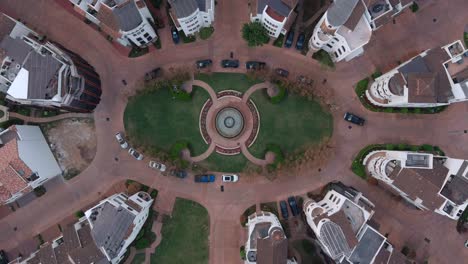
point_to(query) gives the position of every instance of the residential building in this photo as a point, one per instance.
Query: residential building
(435, 77)
(190, 16)
(37, 72)
(340, 223)
(26, 162)
(127, 21)
(101, 236)
(346, 27)
(276, 16)
(266, 243)
(429, 182)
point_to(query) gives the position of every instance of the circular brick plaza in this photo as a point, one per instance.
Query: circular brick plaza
(229, 122)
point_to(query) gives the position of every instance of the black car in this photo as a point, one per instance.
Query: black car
(3, 257)
(282, 72)
(255, 65)
(289, 39)
(352, 118)
(300, 41)
(284, 209)
(175, 35)
(293, 204)
(152, 74)
(230, 63)
(179, 173)
(203, 63)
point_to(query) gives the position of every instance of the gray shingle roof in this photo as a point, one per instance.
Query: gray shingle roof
(368, 247)
(111, 227)
(128, 16)
(278, 5)
(184, 8)
(340, 11)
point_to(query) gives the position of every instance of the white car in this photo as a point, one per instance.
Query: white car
(157, 166)
(135, 154)
(121, 140)
(230, 177)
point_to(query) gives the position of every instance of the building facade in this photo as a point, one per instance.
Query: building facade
(102, 236)
(435, 77)
(37, 72)
(346, 27)
(127, 21)
(340, 223)
(190, 16)
(276, 16)
(428, 182)
(267, 242)
(26, 162)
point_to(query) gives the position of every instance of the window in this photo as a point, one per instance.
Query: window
(328, 45)
(336, 54)
(139, 39)
(146, 35)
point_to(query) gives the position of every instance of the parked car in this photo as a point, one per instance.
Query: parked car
(300, 41)
(255, 65)
(135, 154)
(230, 63)
(157, 166)
(179, 173)
(121, 140)
(293, 204)
(152, 74)
(205, 178)
(289, 39)
(282, 72)
(203, 63)
(230, 177)
(352, 118)
(284, 209)
(3, 257)
(175, 35)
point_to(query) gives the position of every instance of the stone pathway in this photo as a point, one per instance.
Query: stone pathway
(6, 114)
(157, 226)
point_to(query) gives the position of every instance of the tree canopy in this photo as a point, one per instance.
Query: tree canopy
(255, 34)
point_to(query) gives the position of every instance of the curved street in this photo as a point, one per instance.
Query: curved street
(413, 32)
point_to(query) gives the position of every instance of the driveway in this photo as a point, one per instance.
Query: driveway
(403, 224)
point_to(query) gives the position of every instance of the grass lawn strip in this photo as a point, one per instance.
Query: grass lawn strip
(304, 122)
(184, 236)
(157, 121)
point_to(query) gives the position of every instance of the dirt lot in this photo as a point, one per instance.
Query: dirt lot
(73, 143)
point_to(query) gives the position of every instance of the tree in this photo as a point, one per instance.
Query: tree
(255, 34)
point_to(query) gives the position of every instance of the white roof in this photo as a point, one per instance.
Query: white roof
(19, 86)
(35, 153)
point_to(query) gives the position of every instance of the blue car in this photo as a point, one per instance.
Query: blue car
(293, 204)
(300, 41)
(175, 35)
(284, 209)
(289, 39)
(205, 178)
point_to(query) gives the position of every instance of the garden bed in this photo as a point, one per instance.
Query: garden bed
(359, 169)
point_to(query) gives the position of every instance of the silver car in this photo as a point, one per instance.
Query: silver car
(230, 177)
(135, 154)
(121, 140)
(157, 166)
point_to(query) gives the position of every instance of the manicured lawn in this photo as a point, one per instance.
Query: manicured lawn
(185, 235)
(206, 32)
(221, 81)
(139, 258)
(294, 124)
(218, 162)
(156, 120)
(307, 251)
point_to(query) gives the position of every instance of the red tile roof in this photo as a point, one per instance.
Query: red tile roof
(11, 165)
(273, 14)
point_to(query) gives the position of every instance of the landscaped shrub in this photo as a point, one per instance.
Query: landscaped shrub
(361, 87)
(280, 96)
(255, 34)
(242, 252)
(465, 37)
(376, 74)
(462, 221)
(414, 7)
(404, 110)
(137, 52)
(157, 44)
(79, 214)
(206, 32)
(156, 3)
(279, 41)
(154, 194)
(179, 93)
(39, 191)
(324, 58)
(187, 39)
(142, 243)
(427, 147)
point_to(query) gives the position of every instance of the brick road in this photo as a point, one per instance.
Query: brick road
(413, 32)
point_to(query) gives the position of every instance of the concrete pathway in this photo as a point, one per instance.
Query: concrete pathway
(6, 113)
(32, 119)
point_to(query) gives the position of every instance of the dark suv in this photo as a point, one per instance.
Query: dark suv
(293, 204)
(282, 72)
(255, 65)
(230, 63)
(352, 118)
(284, 209)
(289, 39)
